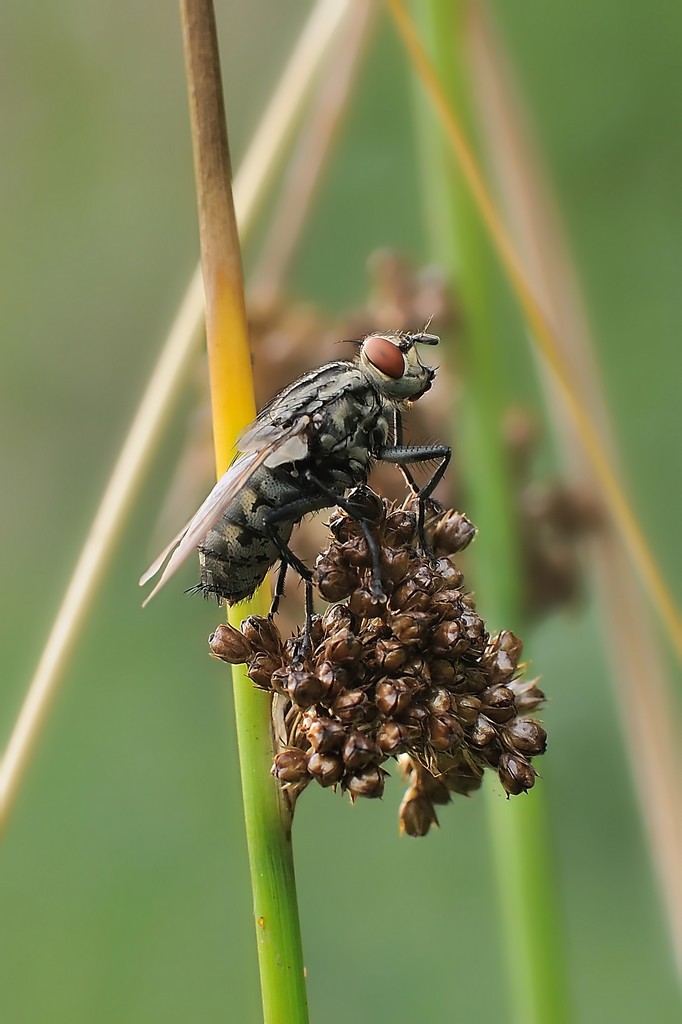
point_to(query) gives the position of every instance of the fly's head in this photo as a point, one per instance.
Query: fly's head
(392, 363)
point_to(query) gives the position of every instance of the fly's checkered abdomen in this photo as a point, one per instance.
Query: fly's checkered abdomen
(237, 553)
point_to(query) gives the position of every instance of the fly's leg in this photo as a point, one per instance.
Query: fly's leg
(398, 443)
(279, 589)
(403, 456)
(292, 512)
(375, 551)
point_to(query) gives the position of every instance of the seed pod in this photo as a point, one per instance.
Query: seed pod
(411, 627)
(356, 553)
(326, 769)
(442, 671)
(417, 671)
(343, 527)
(261, 669)
(362, 602)
(325, 735)
(484, 732)
(229, 645)
(394, 737)
(316, 631)
(291, 765)
(525, 735)
(446, 604)
(440, 700)
(502, 656)
(449, 576)
(450, 533)
(350, 706)
(475, 681)
(359, 750)
(499, 703)
(390, 655)
(395, 564)
(445, 732)
(445, 636)
(468, 708)
(279, 680)
(463, 778)
(336, 617)
(399, 528)
(342, 648)
(333, 582)
(304, 688)
(367, 504)
(415, 716)
(392, 697)
(367, 782)
(410, 596)
(516, 774)
(262, 634)
(474, 630)
(417, 814)
(527, 694)
(334, 678)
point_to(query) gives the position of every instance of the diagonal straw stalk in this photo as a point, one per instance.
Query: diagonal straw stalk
(542, 331)
(644, 693)
(268, 821)
(251, 182)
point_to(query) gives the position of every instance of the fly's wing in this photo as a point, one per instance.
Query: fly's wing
(286, 447)
(285, 421)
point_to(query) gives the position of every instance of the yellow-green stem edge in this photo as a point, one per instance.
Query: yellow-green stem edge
(266, 812)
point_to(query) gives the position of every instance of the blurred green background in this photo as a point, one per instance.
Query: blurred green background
(124, 890)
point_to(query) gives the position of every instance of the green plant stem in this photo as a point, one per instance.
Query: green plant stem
(268, 834)
(526, 894)
(267, 815)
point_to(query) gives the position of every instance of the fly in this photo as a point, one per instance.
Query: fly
(305, 450)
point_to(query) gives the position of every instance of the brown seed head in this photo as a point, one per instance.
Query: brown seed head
(399, 528)
(367, 782)
(291, 765)
(445, 731)
(350, 706)
(262, 668)
(516, 774)
(525, 736)
(229, 645)
(304, 688)
(262, 634)
(417, 814)
(359, 750)
(502, 656)
(327, 769)
(326, 735)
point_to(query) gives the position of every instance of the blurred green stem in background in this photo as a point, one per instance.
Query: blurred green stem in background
(531, 924)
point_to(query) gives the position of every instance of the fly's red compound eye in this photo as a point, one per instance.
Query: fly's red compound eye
(385, 357)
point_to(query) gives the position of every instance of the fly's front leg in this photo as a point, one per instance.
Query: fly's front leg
(398, 443)
(404, 455)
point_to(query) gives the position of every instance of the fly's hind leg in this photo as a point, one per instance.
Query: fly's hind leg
(279, 593)
(279, 589)
(291, 513)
